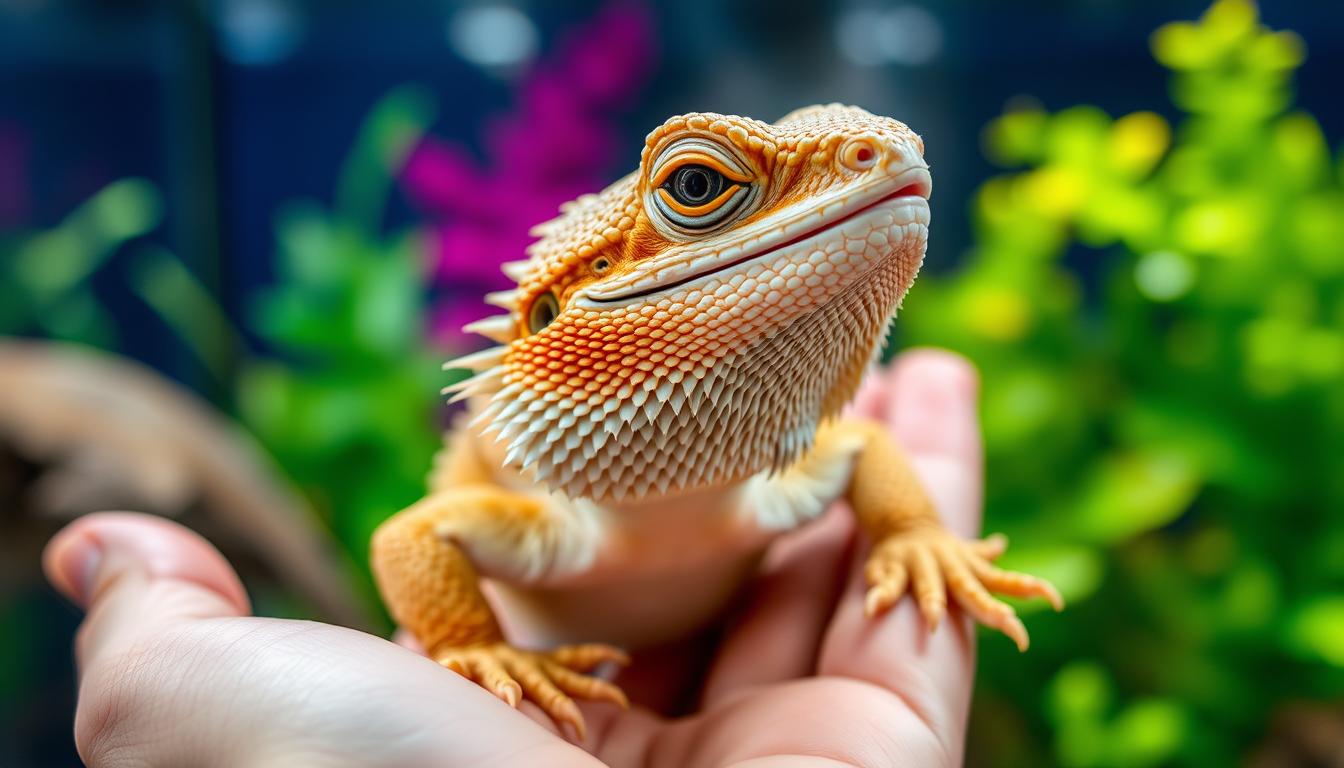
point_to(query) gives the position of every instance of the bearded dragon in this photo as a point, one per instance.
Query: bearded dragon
(665, 400)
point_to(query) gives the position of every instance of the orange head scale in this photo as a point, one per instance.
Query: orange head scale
(692, 324)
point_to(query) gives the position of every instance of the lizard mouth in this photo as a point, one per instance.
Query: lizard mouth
(912, 195)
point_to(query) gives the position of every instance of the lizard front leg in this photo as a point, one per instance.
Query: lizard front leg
(423, 561)
(913, 552)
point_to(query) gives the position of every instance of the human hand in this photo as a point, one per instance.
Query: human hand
(174, 672)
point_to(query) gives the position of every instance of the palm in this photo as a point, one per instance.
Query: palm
(801, 675)
(172, 670)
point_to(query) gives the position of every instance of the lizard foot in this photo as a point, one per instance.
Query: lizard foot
(548, 678)
(931, 563)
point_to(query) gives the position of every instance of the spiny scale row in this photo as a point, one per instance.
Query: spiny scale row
(755, 407)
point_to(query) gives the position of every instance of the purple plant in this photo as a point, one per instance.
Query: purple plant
(557, 143)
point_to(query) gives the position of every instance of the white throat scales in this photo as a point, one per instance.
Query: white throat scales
(782, 367)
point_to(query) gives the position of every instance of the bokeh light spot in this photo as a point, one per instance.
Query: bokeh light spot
(258, 32)
(1164, 275)
(1317, 628)
(493, 36)
(871, 37)
(999, 313)
(1138, 141)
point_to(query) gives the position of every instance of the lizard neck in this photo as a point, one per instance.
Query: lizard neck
(752, 410)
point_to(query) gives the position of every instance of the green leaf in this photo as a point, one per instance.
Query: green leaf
(1181, 45)
(54, 262)
(1081, 691)
(388, 135)
(308, 252)
(1015, 137)
(1148, 732)
(124, 209)
(387, 309)
(188, 308)
(1132, 492)
(1250, 597)
(1316, 630)
(77, 316)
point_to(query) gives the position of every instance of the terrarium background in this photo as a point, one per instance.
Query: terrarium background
(289, 206)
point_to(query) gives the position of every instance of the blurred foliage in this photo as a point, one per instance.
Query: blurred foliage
(348, 405)
(1158, 314)
(344, 390)
(49, 288)
(45, 276)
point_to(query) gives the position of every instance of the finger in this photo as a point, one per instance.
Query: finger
(137, 575)
(168, 678)
(927, 397)
(932, 410)
(786, 615)
(870, 401)
(407, 640)
(930, 672)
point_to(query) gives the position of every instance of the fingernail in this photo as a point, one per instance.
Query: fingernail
(75, 559)
(86, 569)
(84, 555)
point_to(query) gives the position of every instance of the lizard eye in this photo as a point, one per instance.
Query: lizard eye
(694, 185)
(543, 313)
(698, 185)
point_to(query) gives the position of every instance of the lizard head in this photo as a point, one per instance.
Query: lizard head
(692, 324)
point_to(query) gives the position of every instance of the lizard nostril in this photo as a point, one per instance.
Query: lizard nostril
(859, 155)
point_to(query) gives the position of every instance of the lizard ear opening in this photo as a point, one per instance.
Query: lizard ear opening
(544, 311)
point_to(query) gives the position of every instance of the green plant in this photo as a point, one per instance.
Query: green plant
(1158, 319)
(349, 404)
(344, 391)
(45, 275)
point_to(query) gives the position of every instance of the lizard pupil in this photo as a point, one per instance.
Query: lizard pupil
(695, 185)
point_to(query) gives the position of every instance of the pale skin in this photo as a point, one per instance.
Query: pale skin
(174, 671)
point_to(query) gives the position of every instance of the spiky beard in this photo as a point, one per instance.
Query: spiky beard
(745, 412)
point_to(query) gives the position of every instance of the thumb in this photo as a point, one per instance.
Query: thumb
(136, 575)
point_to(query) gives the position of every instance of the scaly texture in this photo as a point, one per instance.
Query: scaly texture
(657, 408)
(669, 343)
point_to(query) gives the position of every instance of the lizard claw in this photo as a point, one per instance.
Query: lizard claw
(932, 563)
(549, 679)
